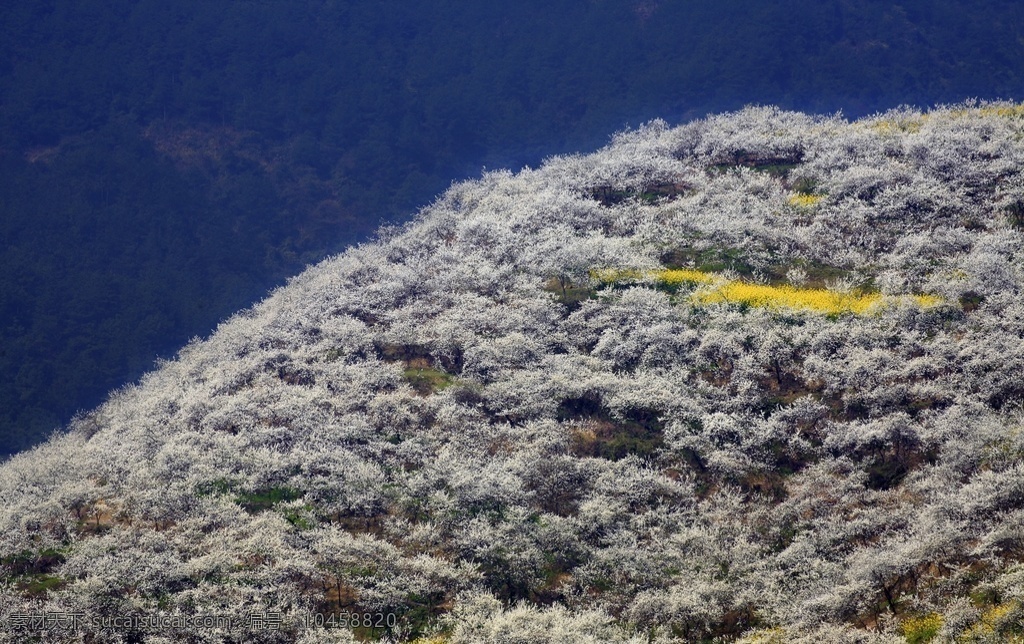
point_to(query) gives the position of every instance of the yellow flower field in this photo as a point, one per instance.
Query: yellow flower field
(804, 200)
(819, 300)
(717, 289)
(679, 276)
(790, 297)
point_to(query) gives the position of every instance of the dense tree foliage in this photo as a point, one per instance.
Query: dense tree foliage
(242, 140)
(465, 426)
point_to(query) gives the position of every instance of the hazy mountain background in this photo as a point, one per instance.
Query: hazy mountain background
(162, 164)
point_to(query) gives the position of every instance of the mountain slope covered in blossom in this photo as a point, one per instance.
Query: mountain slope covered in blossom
(753, 378)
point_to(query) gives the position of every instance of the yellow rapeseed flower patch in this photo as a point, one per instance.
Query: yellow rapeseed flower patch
(716, 289)
(921, 629)
(804, 200)
(926, 301)
(678, 276)
(1000, 621)
(785, 296)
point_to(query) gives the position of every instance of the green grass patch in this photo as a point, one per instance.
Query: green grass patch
(598, 433)
(215, 488)
(29, 571)
(256, 501)
(817, 274)
(708, 260)
(778, 168)
(29, 562)
(570, 294)
(267, 498)
(427, 380)
(609, 196)
(39, 585)
(715, 260)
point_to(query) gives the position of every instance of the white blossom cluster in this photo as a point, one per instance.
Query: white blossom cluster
(457, 424)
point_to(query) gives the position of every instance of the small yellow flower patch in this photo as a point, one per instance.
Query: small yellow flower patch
(998, 623)
(804, 200)
(926, 301)
(921, 629)
(678, 276)
(790, 297)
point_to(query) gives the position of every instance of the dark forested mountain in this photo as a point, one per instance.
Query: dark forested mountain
(167, 162)
(755, 378)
